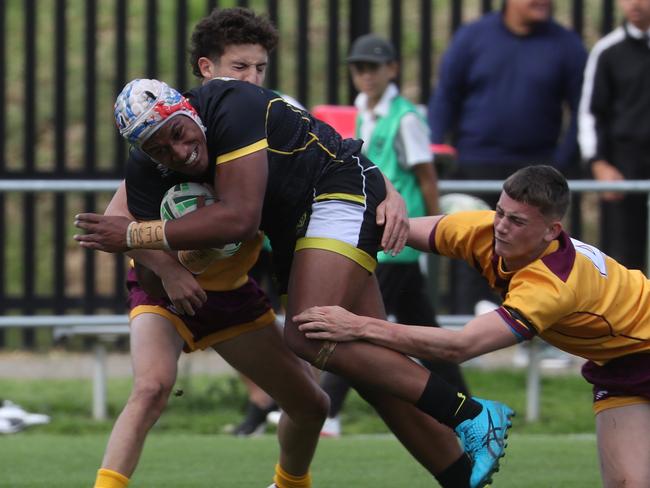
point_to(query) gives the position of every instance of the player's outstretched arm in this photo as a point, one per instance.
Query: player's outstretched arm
(480, 335)
(420, 230)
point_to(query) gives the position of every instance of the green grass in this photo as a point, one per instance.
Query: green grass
(210, 403)
(192, 460)
(186, 447)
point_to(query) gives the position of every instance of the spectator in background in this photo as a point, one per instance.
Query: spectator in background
(396, 138)
(504, 82)
(615, 129)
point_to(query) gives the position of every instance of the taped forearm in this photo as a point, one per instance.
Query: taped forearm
(147, 235)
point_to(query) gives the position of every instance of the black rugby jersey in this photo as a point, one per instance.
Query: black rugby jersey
(242, 118)
(239, 116)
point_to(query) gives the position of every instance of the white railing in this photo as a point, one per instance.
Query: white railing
(107, 326)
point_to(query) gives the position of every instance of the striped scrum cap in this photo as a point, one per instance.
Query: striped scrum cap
(144, 106)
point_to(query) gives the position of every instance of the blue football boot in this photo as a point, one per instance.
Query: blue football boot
(483, 439)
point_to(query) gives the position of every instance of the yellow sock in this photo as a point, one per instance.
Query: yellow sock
(107, 478)
(282, 479)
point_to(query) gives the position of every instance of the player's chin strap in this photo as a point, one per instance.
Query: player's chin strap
(324, 353)
(147, 235)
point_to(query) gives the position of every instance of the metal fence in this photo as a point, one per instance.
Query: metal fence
(63, 61)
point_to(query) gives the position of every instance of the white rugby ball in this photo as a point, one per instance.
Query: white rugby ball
(184, 198)
(460, 202)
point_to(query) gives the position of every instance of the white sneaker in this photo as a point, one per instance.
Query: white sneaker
(11, 426)
(331, 427)
(11, 411)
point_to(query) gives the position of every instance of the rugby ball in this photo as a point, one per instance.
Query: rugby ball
(460, 202)
(184, 198)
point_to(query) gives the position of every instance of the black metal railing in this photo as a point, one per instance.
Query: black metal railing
(62, 62)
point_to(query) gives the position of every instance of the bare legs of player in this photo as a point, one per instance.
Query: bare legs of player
(623, 446)
(262, 355)
(390, 381)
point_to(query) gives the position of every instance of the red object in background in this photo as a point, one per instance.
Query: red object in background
(443, 150)
(343, 119)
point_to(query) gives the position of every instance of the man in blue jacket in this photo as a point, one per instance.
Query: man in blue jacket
(503, 86)
(503, 83)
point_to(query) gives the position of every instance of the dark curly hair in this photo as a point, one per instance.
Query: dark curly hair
(225, 27)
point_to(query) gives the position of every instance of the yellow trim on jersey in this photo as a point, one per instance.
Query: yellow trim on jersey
(618, 401)
(244, 151)
(178, 323)
(314, 137)
(267, 318)
(342, 196)
(299, 149)
(343, 248)
(330, 153)
(264, 320)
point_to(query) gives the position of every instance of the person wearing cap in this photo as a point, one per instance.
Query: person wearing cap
(278, 169)
(396, 138)
(219, 308)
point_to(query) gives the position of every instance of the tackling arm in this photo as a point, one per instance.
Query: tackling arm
(480, 335)
(420, 230)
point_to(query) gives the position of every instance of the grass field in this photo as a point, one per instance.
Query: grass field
(37, 460)
(186, 447)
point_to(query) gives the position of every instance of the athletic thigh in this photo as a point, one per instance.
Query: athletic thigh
(623, 445)
(263, 356)
(320, 277)
(155, 348)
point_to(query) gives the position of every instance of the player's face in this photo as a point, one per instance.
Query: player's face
(530, 11)
(637, 12)
(179, 145)
(246, 62)
(372, 78)
(521, 232)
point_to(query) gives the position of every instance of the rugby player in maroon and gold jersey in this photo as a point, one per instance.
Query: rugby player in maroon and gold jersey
(566, 292)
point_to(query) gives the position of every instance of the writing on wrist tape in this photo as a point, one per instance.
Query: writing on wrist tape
(146, 235)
